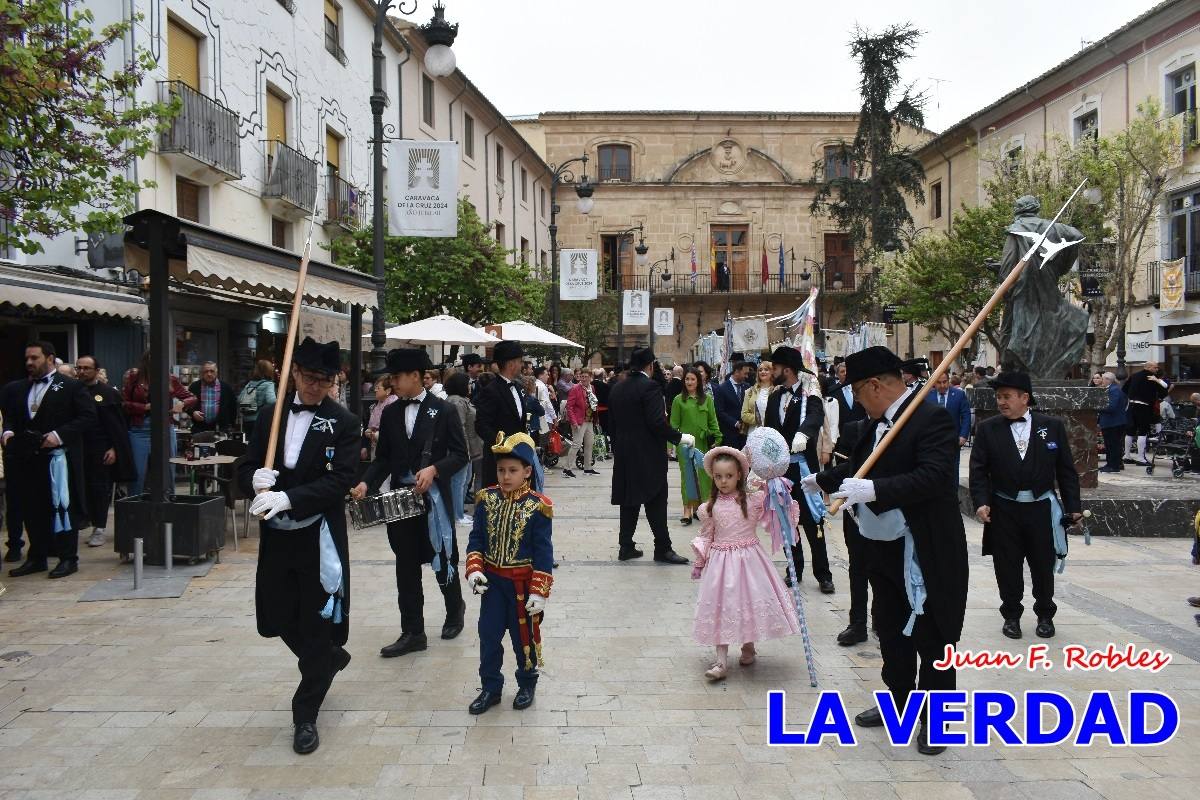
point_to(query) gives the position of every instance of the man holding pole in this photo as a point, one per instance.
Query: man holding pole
(908, 509)
(301, 467)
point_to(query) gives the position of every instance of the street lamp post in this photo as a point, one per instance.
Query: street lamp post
(439, 62)
(561, 173)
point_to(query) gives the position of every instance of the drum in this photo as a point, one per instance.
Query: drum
(397, 504)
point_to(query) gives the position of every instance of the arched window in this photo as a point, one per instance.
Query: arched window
(616, 163)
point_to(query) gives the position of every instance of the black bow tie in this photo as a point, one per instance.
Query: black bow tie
(404, 402)
(298, 407)
(1014, 421)
(43, 379)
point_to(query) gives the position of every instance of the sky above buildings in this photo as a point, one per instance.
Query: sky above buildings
(530, 56)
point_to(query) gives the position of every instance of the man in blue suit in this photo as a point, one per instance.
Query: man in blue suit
(727, 397)
(954, 400)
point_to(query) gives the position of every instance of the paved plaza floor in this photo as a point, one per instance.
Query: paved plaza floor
(180, 698)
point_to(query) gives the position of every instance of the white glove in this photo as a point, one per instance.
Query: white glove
(687, 440)
(536, 604)
(809, 485)
(856, 490)
(799, 443)
(478, 582)
(264, 478)
(269, 504)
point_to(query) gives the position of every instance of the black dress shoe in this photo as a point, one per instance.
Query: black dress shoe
(28, 568)
(453, 626)
(1045, 628)
(341, 659)
(871, 718)
(68, 566)
(826, 587)
(854, 633)
(628, 553)
(483, 702)
(524, 698)
(923, 745)
(1012, 628)
(12, 556)
(305, 739)
(671, 557)
(407, 643)
(685, 520)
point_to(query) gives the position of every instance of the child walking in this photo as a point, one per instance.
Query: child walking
(741, 598)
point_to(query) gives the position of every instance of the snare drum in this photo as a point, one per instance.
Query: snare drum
(397, 504)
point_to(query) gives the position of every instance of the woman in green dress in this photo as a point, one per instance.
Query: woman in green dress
(692, 411)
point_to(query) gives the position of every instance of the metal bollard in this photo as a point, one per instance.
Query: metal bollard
(137, 563)
(169, 545)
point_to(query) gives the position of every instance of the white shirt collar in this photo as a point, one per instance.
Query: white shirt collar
(796, 387)
(421, 397)
(890, 414)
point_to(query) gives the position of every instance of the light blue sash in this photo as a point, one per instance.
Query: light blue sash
(1056, 514)
(331, 562)
(60, 491)
(815, 504)
(692, 460)
(888, 527)
(439, 524)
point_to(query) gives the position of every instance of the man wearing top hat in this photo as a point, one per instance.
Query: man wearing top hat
(1017, 458)
(473, 364)
(500, 406)
(302, 588)
(798, 416)
(421, 446)
(907, 507)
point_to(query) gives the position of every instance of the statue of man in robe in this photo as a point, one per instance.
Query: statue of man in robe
(1042, 333)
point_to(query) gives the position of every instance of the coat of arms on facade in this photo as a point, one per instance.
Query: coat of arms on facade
(728, 157)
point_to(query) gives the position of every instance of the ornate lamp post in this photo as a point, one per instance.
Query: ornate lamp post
(439, 63)
(561, 173)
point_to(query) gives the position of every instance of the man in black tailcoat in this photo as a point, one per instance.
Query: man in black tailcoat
(45, 416)
(500, 406)
(640, 432)
(1016, 459)
(910, 494)
(421, 446)
(798, 417)
(302, 587)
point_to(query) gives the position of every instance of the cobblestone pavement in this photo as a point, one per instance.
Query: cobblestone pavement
(181, 699)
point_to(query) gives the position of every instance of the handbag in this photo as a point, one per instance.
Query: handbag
(555, 442)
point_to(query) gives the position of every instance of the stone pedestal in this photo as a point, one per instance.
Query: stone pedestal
(1074, 401)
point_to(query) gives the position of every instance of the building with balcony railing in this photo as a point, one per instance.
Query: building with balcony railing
(290, 189)
(203, 142)
(344, 206)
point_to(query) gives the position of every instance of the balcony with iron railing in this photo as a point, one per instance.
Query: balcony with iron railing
(612, 173)
(1191, 278)
(202, 142)
(681, 283)
(344, 205)
(291, 186)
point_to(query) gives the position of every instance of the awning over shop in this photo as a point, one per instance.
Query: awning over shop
(40, 290)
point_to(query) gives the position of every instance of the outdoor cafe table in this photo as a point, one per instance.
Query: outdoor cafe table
(207, 461)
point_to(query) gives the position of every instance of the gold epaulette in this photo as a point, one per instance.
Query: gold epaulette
(483, 492)
(546, 505)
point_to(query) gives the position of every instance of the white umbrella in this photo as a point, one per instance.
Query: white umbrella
(442, 329)
(528, 333)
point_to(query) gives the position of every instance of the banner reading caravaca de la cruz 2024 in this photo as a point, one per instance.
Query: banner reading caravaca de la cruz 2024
(577, 274)
(423, 189)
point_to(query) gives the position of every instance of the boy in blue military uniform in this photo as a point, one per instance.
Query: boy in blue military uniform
(510, 560)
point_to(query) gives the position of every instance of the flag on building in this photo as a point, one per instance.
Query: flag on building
(782, 278)
(694, 273)
(713, 265)
(766, 270)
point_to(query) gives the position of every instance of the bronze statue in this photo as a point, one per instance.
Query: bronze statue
(1042, 334)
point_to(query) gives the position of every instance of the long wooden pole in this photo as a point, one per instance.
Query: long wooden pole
(955, 351)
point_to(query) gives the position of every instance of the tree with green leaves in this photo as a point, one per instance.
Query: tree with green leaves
(867, 195)
(467, 276)
(71, 127)
(590, 322)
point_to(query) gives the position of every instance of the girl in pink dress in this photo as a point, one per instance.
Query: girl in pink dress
(741, 597)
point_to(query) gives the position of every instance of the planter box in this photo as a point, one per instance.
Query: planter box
(199, 522)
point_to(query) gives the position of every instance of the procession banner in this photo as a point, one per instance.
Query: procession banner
(577, 275)
(635, 307)
(664, 321)
(423, 189)
(749, 334)
(836, 343)
(1171, 292)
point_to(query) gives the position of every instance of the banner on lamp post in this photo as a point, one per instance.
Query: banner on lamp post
(422, 189)
(664, 321)
(577, 275)
(635, 307)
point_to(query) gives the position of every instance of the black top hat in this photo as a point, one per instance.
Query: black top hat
(407, 359)
(915, 366)
(1014, 380)
(640, 357)
(323, 358)
(507, 350)
(789, 357)
(471, 359)
(868, 363)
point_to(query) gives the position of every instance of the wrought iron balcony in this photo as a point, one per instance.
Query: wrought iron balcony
(202, 142)
(291, 186)
(614, 174)
(344, 206)
(1191, 278)
(745, 283)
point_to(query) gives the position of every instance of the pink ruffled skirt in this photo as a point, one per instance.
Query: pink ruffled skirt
(742, 599)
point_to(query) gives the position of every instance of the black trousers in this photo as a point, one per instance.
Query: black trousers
(310, 638)
(907, 660)
(1020, 533)
(858, 553)
(97, 485)
(1114, 446)
(656, 515)
(39, 516)
(816, 544)
(409, 539)
(13, 492)
(1143, 419)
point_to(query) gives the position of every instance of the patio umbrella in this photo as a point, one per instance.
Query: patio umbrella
(441, 329)
(528, 333)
